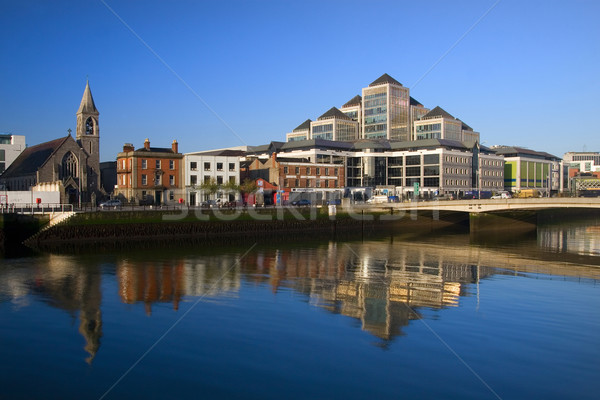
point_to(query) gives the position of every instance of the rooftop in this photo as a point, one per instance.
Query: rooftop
(384, 79)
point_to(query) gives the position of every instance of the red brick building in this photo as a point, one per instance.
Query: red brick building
(150, 173)
(298, 177)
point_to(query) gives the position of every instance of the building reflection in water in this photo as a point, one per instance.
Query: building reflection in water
(577, 239)
(168, 282)
(379, 284)
(63, 283)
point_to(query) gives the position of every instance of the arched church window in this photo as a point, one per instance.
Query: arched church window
(89, 126)
(69, 166)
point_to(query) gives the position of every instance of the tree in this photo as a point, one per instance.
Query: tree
(211, 187)
(248, 186)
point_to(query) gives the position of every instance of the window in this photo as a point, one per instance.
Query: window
(297, 182)
(193, 180)
(326, 183)
(318, 171)
(171, 195)
(207, 166)
(286, 183)
(219, 166)
(172, 180)
(308, 183)
(326, 171)
(206, 179)
(158, 164)
(232, 179)
(318, 183)
(307, 170)
(335, 171)
(285, 170)
(157, 180)
(171, 164)
(335, 183)
(413, 160)
(297, 170)
(144, 179)
(219, 180)
(193, 166)
(144, 164)
(232, 166)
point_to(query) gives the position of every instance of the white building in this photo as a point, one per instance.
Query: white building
(219, 166)
(10, 148)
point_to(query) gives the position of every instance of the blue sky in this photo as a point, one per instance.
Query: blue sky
(526, 74)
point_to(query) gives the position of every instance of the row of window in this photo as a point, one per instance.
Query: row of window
(307, 170)
(208, 166)
(207, 178)
(326, 183)
(157, 164)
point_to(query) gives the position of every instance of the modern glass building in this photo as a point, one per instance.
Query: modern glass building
(334, 125)
(386, 110)
(439, 124)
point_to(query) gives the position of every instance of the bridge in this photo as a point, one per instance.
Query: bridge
(495, 205)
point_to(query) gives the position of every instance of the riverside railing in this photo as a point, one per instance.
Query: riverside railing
(34, 208)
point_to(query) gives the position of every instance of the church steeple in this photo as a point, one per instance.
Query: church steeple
(87, 134)
(87, 102)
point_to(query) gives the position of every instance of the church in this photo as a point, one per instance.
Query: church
(69, 165)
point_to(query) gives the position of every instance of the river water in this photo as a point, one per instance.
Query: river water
(438, 316)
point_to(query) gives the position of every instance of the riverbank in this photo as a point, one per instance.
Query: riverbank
(117, 228)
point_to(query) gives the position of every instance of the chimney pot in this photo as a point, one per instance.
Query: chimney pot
(147, 144)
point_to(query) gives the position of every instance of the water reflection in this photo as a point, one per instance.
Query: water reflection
(571, 238)
(382, 285)
(64, 283)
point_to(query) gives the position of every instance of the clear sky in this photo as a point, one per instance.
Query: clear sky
(214, 74)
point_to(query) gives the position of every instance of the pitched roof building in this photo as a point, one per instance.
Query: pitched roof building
(70, 164)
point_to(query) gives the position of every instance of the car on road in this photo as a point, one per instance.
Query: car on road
(301, 202)
(114, 203)
(502, 195)
(209, 204)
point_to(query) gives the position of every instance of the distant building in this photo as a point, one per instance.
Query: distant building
(385, 110)
(71, 164)
(293, 176)
(108, 176)
(434, 166)
(150, 173)
(219, 166)
(334, 125)
(584, 161)
(439, 124)
(529, 169)
(10, 148)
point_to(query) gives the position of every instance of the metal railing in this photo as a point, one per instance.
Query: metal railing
(33, 208)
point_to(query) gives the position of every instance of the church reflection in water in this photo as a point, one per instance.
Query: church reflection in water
(381, 285)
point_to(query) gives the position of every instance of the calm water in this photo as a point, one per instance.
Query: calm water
(444, 316)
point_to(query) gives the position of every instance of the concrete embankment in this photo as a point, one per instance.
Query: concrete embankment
(118, 227)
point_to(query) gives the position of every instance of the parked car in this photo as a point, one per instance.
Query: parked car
(301, 202)
(114, 203)
(502, 195)
(334, 202)
(209, 204)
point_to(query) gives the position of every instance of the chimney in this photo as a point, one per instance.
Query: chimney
(175, 146)
(147, 144)
(274, 157)
(128, 147)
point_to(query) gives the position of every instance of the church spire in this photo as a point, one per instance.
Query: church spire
(87, 101)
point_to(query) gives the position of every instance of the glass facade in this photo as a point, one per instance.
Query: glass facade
(399, 113)
(323, 132)
(346, 131)
(375, 112)
(428, 131)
